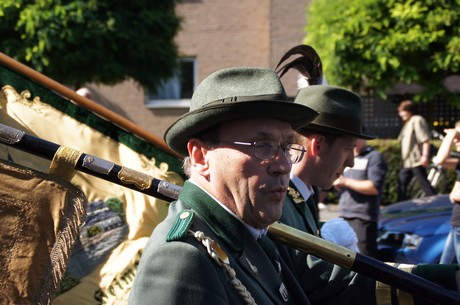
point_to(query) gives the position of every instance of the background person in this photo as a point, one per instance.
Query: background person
(361, 193)
(415, 150)
(451, 251)
(211, 248)
(317, 170)
(334, 134)
(329, 146)
(337, 128)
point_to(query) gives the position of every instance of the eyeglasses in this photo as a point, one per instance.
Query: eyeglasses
(267, 150)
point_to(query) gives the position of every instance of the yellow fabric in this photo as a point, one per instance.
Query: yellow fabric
(405, 298)
(37, 232)
(111, 282)
(383, 291)
(382, 294)
(142, 212)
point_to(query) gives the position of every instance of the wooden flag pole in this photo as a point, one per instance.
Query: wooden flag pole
(84, 102)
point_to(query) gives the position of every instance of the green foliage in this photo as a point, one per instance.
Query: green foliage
(100, 41)
(67, 283)
(391, 150)
(93, 231)
(116, 205)
(372, 45)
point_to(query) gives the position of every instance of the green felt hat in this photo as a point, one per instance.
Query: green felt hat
(340, 110)
(232, 94)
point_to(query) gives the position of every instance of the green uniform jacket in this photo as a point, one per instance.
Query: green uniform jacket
(295, 206)
(175, 268)
(328, 284)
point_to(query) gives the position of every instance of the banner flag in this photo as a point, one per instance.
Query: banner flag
(119, 220)
(33, 265)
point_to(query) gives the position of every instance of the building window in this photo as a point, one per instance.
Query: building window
(177, 91)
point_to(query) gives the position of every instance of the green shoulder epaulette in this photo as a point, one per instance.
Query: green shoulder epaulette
(181, 225)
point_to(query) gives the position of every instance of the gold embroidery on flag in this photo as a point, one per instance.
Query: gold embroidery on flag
(64, 162)
(12, 96)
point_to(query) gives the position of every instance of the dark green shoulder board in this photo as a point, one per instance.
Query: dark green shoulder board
(181, 225)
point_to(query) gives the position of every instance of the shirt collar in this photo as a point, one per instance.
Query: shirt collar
(305, 190)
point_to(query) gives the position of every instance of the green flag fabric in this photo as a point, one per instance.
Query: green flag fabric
(119, 220)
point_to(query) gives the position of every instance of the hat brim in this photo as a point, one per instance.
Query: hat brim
(197, 121)
(339, 131)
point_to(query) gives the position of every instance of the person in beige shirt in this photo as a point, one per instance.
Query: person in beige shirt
(415, 150)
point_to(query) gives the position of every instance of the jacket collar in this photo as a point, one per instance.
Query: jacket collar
(221, 222)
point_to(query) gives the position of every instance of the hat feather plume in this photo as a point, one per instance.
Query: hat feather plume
(308, 65)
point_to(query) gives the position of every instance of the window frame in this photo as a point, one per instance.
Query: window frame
(174, 103)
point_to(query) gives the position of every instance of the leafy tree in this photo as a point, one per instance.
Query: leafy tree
(373, 45)
(100, 41)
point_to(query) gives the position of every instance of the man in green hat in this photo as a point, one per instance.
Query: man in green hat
(240, 145)
(329, 141)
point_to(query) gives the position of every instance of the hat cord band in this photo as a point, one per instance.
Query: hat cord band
(252, 98)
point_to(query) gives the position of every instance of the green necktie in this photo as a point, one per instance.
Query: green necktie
(271, 251)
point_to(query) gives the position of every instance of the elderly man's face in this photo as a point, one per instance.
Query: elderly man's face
(251, 188)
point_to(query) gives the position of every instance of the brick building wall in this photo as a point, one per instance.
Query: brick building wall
(223, 33)
(218, 33)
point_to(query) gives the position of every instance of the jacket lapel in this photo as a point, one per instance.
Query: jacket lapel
(254, 261)
(307, 209)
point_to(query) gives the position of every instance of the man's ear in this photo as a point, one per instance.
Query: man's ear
(198, 150)
(316, 142)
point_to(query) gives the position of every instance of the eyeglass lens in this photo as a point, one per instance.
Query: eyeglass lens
(267, 150)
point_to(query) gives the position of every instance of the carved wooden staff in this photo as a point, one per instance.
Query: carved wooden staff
(292, 237)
